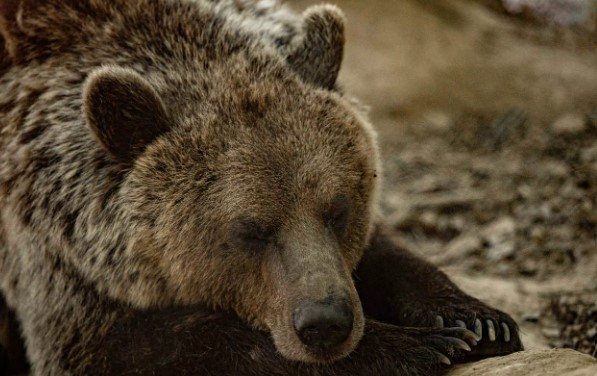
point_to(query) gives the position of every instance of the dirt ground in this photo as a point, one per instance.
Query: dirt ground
(488, 128)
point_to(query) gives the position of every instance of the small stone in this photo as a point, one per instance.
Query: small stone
(545, 210)
(462, 246)
(503, 269)
(563, 232)
(531, 317)
(538, 234)
(529, 267)
(500, 251)
(589, 154)
(438, 120)
(525, 191)
(555, 168)
(499, 237)
(458, 222)
(570, 123)
(429, 219)
(551, 332)
(592, 119)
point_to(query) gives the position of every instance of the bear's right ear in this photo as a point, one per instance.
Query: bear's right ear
(123, 111)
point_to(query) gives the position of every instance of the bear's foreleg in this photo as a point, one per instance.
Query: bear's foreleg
(193, 341)
(12, 350)
(397, 287)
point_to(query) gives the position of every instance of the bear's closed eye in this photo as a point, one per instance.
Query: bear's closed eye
(251, 235)
(336, 217)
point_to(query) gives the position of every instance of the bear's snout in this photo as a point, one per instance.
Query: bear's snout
(321, 326)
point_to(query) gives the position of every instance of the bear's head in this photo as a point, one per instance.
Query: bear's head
(249, 184)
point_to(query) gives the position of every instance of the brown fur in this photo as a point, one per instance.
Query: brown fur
(149, 223)
(182, 153)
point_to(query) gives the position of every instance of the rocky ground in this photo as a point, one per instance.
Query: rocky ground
(487, 115)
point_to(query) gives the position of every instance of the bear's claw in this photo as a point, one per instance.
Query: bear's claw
(493, 332)
(460, 344)
(446, 343)
(506, 331)
(443, 359)
(449, 343)
(490, 330)
(462, 334)
(478, 328)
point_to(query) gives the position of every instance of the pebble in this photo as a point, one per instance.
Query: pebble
(438, 120)
(462, 246)
(531, 317)
(570, 123)
(592, 118)
(538, 234)
(551, 332)
(499, 236)
(556, 168)
(589, 154)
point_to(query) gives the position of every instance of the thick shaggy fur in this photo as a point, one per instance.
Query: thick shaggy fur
(176, 177)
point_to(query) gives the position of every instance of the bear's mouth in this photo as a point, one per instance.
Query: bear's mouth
(325, 355)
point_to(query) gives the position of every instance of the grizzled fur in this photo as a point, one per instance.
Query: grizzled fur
(176, 177)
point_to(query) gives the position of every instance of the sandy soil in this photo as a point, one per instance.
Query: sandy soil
(488, 129)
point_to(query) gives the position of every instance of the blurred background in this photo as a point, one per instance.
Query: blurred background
(487, 120)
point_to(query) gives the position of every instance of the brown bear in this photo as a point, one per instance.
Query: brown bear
(184, 189)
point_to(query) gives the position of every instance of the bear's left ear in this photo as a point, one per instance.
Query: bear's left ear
(10, 11)
(30, 27)
(318, 57)
(123, 111)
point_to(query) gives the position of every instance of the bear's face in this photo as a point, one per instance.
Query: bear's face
(262, 205)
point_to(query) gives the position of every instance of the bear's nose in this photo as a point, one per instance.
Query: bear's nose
(323, 325)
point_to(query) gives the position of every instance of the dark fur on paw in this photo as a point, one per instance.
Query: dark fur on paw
(4, 364)
(448, 343)
(497, 331)
(400, 288)
(413, 351)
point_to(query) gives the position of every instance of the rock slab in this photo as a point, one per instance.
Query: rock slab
(554, 362)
